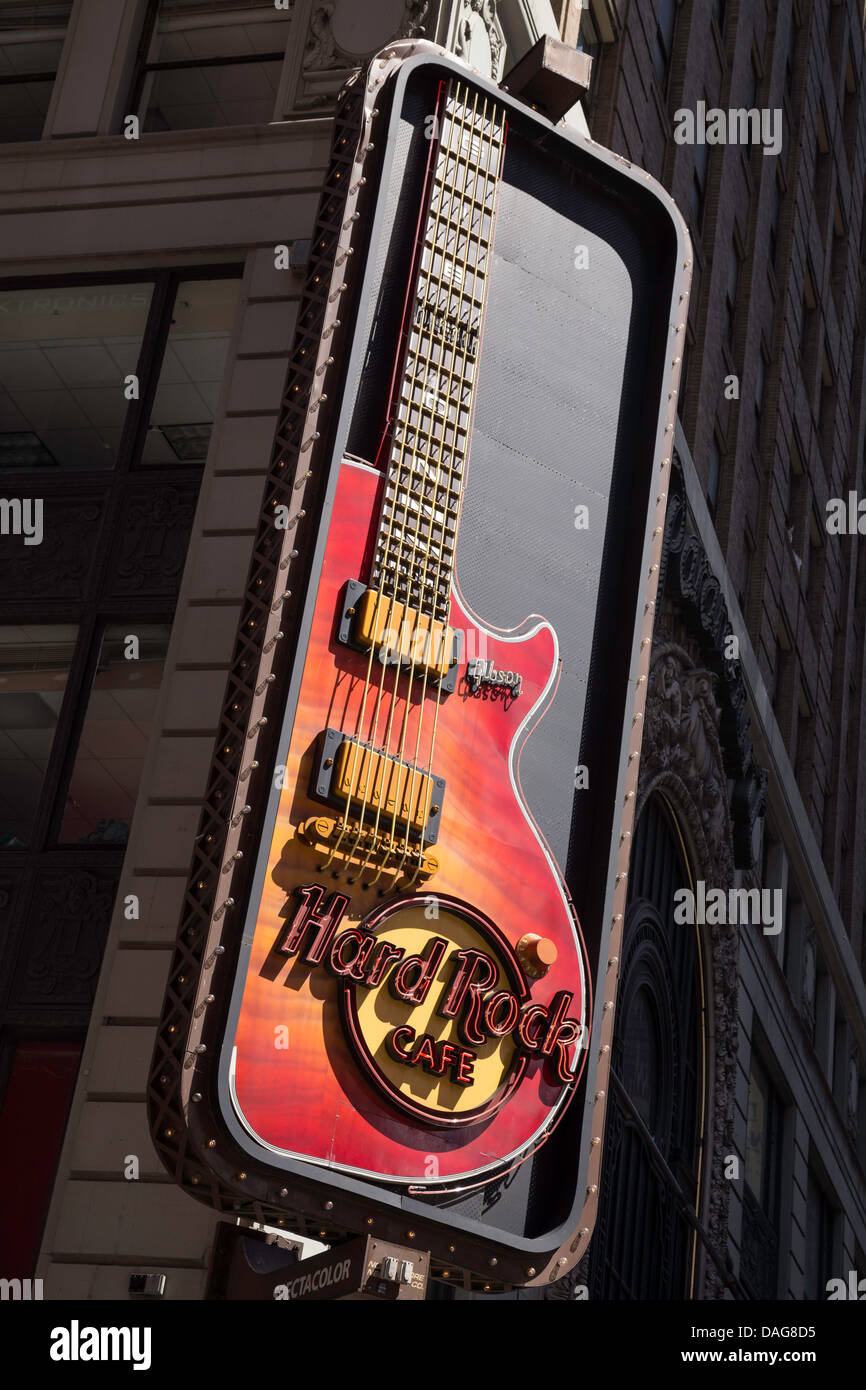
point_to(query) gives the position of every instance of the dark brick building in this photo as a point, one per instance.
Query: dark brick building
(771, 427)
(735, 1149)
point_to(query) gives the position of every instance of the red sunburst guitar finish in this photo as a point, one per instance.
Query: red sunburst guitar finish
(311, 1098)
(418, 1014)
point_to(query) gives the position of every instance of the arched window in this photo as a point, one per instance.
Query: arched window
(643, 1244)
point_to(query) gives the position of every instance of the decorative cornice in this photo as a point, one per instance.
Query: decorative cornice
(486, 10)
(687, 579)
(322, 53)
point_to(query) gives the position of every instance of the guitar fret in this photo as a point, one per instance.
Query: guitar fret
(432, 408)
(433, 513)
(450, 438)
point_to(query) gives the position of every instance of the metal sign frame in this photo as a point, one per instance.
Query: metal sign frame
(199, 1141)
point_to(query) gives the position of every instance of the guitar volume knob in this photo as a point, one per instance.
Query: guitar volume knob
(536, 954)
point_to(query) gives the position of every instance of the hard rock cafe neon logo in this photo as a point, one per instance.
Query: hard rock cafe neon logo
(438, 1014)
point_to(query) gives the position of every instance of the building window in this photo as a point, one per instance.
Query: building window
(781, 674)
(775, 216)
(77, 697)
(760, 1248)
(588, 41)
(192, 370)
(64, 358)
(699, 183)
(80, 365)
(720, 8)
(827, 410)
(745, 589)
(731, 287)
(820, 1239)
(715, 471)
(823, 173)
(31, 41)
(753, 79)
(643, 1247)
(32, 1123)
(688, 355)
(850, 111)
(839, 258)
(803, 742)
(664, 40)
(100, 798)
(218, 65)
(35, 661)
(793, 34)
(808, 328)
(813, 578)
(760, 377)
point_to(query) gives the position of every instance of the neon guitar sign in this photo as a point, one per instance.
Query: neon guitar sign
(489, 1020)
(413, 940)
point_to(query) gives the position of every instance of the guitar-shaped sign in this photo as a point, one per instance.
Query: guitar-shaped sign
(415, 1005)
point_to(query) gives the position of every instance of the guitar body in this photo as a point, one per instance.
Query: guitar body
(321, 1063)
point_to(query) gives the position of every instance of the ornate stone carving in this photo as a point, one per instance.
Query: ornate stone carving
(61, 564)
(152, 542)
(414, 24)
(687, 580)
(70, 917)
(322, 52)
(682, 757)
(681, 750)
(480, 15)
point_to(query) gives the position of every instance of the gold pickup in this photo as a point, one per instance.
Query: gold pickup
(389, 795)
(402, 634)
(363, 777)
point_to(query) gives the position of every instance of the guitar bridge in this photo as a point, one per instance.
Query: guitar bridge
(346, 846)
(352, 776)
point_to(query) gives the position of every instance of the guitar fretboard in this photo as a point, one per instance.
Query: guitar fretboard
(431, 413)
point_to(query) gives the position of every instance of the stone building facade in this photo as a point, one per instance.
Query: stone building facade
(144, 339)
(771, 428)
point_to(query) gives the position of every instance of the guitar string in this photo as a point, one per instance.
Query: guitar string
(466, 378)
(465, 228)
(344, 827)
(414, 380)
(394, 471)
(421, 382)
(403, 530)
(492, 186)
